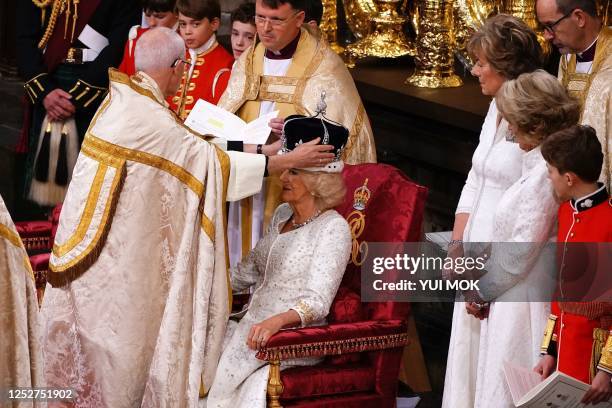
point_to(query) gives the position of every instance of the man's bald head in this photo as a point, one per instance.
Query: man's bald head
(158, 49)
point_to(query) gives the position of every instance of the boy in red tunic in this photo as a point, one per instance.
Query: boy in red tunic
(209, 64)
(158, 13)
(581, 346)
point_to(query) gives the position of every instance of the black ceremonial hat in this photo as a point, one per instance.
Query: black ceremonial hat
(300, 129)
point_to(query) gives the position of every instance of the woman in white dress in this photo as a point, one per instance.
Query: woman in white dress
(535, 106)
(296, 269)
(503, 48)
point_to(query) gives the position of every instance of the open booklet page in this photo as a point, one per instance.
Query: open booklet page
(206, 118)
(558, 390)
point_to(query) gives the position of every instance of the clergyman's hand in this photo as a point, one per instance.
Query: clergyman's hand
(545, 366)
(311, 154)
(276, 125)
(601, 389)
(272, 148)
(58, 106)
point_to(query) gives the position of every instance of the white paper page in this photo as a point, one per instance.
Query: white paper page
(258, 130)
(206, 118)
(520, 380)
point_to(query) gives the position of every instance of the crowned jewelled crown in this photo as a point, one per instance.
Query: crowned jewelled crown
(361, 196)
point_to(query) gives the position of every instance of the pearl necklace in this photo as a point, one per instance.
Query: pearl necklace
(308, 221)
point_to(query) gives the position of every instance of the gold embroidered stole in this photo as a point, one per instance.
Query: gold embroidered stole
(578, 84)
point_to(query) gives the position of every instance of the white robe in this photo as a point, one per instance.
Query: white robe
(20, 351)
(139, 306)
(299, 270)
(496, 165)
(525, 214)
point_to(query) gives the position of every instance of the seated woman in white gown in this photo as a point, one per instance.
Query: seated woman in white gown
(295, 269)
(503, 48)
(521, 268)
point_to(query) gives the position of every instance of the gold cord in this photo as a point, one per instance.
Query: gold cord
(55, 12)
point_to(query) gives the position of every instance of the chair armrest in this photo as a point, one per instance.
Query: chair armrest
(335, 339)
(35, 235)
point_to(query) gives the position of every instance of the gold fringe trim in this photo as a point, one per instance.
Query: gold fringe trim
(599, 340)
(335, 347)
(35, 243)
(61, 275)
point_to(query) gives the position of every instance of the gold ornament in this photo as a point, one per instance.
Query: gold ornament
(436, 42)
(387, 40)
(329, 25)
(358, 16)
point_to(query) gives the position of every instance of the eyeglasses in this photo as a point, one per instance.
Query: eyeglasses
(274, 21)
(551, 27)
(178, 61)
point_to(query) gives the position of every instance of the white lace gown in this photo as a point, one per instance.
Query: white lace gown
(525, 214)
(299, 270)
(496, 165)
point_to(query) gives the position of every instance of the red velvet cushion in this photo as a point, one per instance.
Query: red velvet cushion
(346, 307)
(40, 266)
(28, 229)
(35, 235)
(323, 379)
(40, 262)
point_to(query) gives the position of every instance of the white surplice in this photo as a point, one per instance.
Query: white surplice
(276, 68)
(525, 214)
(496, 165)
(299, 270)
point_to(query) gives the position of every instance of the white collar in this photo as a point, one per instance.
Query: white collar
(594, 41)
(149, 84)
(207, 45)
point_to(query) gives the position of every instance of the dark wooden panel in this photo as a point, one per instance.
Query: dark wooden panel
(8, 64)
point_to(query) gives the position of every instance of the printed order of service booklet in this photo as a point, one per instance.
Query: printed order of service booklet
(206, 118)
(557, 391)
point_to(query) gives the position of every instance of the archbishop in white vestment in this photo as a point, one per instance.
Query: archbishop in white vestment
(20, 358)
(139, 303)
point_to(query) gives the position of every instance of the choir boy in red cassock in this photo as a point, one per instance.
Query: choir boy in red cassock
(577, 338)
(209, 64)
(158, 13)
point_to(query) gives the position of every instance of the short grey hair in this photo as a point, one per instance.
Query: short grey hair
(328, 189)
(158, 48)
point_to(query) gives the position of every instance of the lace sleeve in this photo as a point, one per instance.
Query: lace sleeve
(328, 263)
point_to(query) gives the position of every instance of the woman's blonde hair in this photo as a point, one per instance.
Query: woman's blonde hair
(328, 189)
(537, 104)
(508, 44)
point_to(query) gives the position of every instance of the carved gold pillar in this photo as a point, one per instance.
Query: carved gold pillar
(329, 25)
(435, 45)
(387, 39)
(275, 386)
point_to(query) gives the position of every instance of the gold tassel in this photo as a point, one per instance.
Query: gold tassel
(67, 18)
(599, 340)
(75, 16)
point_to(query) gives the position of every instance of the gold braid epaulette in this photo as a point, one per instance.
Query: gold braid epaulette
(334, 347)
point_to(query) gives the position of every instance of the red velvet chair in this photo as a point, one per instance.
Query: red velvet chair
(37, 237)
(363, 342)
